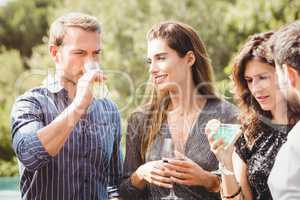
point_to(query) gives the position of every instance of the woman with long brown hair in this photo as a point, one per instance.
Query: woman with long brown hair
(266, 119)
(182, 101)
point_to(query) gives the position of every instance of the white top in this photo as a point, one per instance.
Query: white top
(284, 179)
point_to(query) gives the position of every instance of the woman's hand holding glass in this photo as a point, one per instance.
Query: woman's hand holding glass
(185, 171)
(222, 149)
(155, 172)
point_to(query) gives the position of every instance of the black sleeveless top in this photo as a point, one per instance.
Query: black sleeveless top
(260, 157)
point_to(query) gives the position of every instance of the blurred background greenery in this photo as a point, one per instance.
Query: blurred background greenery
(222, 24)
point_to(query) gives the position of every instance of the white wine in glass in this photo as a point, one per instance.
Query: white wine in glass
(167, 151)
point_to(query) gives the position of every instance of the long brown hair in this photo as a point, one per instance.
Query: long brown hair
(181, 38)
(252, 114)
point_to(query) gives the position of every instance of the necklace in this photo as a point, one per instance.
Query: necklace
(181, 123)
(180, 127)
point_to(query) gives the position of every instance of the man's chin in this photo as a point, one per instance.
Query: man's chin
(68, 80)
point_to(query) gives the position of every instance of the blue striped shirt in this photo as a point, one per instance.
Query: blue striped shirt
(88, 164)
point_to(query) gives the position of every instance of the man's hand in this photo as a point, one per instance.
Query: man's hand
(84, 96)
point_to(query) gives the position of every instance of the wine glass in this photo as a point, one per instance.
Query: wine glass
(228, 133)
(167, 151)
(100, 89)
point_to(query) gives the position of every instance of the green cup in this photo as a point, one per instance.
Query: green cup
(227, 132)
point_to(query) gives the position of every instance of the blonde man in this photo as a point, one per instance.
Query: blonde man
(67, 142)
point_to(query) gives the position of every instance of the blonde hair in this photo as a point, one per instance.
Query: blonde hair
(74, 19)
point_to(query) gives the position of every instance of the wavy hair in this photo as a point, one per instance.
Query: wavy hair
(252, 114)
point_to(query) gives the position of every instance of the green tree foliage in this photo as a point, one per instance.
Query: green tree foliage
(245, 18)
(23, 24)
(11, 66)
(223, 25)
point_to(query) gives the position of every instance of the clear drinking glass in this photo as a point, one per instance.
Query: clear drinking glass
(228, 133)
(168, 151)
(100, 90)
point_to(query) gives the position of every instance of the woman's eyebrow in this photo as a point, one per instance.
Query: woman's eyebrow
(259, 74)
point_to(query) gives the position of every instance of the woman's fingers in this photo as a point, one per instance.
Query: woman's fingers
(181, 181)
(220, 151)
(177, 166)
(185, 172)
(161, 184)
(212, 126)
(157, 176)
(210, 138)
(180, 175)
(216, 144)
(161, 173)
(173, 167)
(160, 178)
(184, 162)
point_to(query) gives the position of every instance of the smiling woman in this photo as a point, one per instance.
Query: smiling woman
(182, 100)
(166, 66)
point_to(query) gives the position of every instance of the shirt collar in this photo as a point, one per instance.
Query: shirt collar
(51, 82)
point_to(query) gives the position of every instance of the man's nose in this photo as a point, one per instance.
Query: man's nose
(90, 59)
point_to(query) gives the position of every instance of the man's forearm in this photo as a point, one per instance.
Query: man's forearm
(54, 135)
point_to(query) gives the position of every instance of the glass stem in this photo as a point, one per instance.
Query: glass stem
(172, 192)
